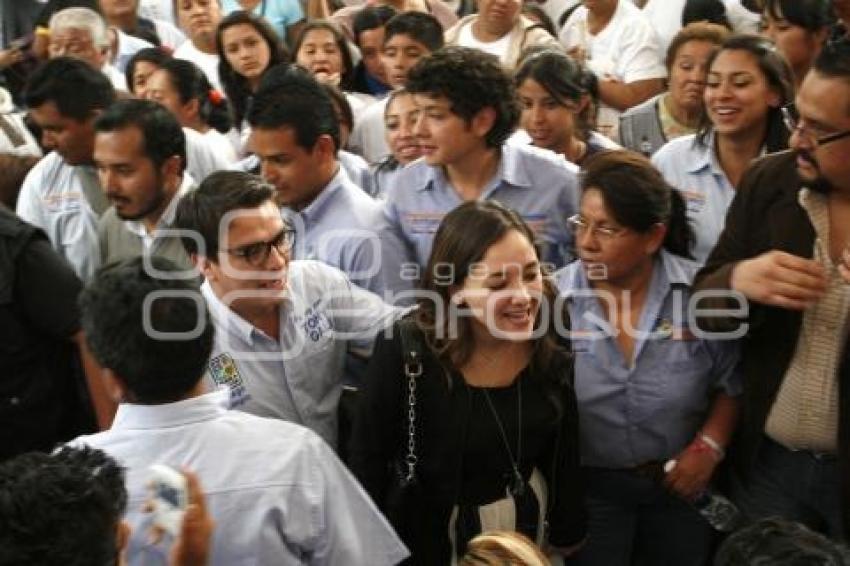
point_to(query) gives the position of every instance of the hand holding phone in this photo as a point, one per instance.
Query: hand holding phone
(169, 498)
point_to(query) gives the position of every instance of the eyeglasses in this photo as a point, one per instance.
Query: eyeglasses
(813, 135)
(258, 253)
(579, 225)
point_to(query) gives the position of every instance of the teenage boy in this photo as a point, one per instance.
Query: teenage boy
(408, 37)
(467, 111)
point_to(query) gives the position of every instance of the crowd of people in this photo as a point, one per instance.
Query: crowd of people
(425, 281)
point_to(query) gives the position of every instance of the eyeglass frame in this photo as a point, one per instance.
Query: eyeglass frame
(603, 232)
(283, 242)
(793, 125)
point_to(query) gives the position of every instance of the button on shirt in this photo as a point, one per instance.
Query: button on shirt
(648, 410)
(298, 377)
(344, 227)
(277, 493)
(538, 184)
(52, 197)
(693, 169)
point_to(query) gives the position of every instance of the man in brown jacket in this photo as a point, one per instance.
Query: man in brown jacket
(786, 249)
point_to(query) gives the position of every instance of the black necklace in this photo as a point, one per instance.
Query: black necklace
(516, 485)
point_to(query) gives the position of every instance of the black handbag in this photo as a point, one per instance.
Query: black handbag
(403, 491)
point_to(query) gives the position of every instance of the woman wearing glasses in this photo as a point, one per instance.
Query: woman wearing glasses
(747, 85)
(650, 389)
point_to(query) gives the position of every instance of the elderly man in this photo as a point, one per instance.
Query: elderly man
(82, 33)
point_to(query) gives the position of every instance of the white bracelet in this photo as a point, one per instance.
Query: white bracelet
(713, 444)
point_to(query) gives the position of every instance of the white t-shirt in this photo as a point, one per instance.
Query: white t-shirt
(221, 145)
(203, 156)
(116, 77)
(367, 138)
(208, 63)
(499, 48)
(157, 10)
(127, 46)
(169, 34)
(666, 18)
(556, 8)
(627, 50)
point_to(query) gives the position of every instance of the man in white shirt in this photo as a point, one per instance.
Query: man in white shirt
(276, 491)
(61, 194)
(199, 19)
(622, 49)
(81, 33)
(140, 156)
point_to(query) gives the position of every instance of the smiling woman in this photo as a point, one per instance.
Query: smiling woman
(649, 389)
(495, 416)
(747, 85)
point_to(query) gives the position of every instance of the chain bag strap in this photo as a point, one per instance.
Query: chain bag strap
(412, 370)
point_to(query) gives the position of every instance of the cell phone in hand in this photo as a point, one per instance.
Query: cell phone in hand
(170, 496)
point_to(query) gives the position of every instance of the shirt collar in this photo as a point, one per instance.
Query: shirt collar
(195, 409)
(227, 320)
(702, 156)
(313, 211)
(572, 279)
(510, 172)
(137, 227)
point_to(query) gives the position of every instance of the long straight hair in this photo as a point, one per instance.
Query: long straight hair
(236, 87)
(462, 240)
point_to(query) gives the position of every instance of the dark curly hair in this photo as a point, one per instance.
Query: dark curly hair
(471, 80)
(61, 509)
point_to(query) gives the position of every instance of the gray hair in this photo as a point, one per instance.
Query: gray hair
(81, 18)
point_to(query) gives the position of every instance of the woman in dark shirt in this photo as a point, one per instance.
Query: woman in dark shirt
(494, 426)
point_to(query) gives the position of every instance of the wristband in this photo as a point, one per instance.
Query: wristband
(713, 444)
(704, 443)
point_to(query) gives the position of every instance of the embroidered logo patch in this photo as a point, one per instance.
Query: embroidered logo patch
(315, 324)
(224, 371)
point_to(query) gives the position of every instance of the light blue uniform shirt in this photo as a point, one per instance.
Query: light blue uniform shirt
(649, 411)
(344, 227)
(299, 376)
(695, 171)
(538, 184)
(277, 492)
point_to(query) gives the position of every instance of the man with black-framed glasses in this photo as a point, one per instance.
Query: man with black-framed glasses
(786, 248)
(283, 326)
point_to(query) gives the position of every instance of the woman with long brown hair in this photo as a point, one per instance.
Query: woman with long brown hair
(491, 419)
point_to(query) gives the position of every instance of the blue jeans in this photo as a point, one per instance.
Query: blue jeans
(795, 485)
(634, 520)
